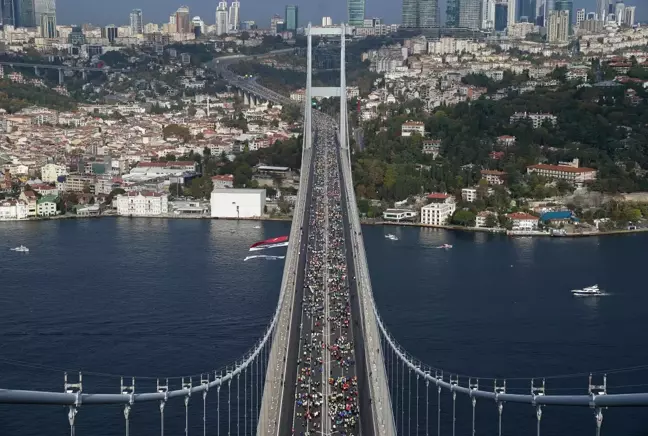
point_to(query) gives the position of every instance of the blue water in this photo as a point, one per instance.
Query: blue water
(159, 297)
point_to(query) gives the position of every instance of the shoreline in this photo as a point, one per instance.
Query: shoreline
(362, 221)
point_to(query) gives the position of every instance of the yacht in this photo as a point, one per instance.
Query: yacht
(590, 290)
(391, 237)
(445, 246)
(21, 249)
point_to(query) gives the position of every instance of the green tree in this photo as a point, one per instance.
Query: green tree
(176, 189)
(491, 220)
(464, 218)
(201, 187)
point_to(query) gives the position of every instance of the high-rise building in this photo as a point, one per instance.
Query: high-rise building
(420, 14)
(356, 12)
(602, 9)
(558, 26)
(222, 20)
(580, 17)
(136, 22)
(512, 13)
(629, 15)
(45, 17)
(25, 13)
(501, 15)
(9, 12)
(470, 14)
(277, 24)
(292, 18)
(526, 11)
(619, 12)
(566, 5)
(110, 32)
(182, 20)
(327, 21)
(235, 16)
(488, 15)
(452, 13)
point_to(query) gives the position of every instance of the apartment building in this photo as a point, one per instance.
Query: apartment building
(142, 204)
(408, 128)
(439, 211)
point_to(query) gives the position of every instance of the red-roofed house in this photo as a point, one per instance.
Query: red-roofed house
(494, 177)
(440, 209)
(223, 181)
(563, 172)
(523, 221)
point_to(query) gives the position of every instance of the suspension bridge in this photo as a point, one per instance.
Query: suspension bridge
(396, 394)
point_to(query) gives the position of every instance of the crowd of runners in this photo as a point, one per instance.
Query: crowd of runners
(326, 398)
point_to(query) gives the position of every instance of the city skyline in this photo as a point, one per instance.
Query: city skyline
(93, 11)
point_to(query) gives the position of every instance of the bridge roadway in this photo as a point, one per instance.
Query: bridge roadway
(325, 398)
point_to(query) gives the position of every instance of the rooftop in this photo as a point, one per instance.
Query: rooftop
(522, 216)
(561, 168)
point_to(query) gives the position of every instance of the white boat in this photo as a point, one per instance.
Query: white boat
(445, 246)
(21, 249)
(588, 291)
(257, 227)
(391, 237)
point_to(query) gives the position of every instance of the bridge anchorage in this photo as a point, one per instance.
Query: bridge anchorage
(326, 280)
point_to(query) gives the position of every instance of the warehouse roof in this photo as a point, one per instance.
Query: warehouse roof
(238, 191)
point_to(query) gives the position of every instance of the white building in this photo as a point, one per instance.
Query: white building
(46, 206)
(558, 27)
(537, 119)
(523, 221)
(13, 210)
(469, 194)
(408, 128)
(237, 203)
(222, 19)
(480, 219)
(564, 172)
(50, 172)
(327, 21)
(234, 16)
(142, 204)
(398, 214)
(439, 210)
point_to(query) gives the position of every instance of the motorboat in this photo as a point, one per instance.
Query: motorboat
(588, 291)
(445, 246)
(21, 249)
(391, 237)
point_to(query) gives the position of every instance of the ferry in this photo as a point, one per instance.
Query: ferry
(391, 237)
(21, 249)
(588, 291)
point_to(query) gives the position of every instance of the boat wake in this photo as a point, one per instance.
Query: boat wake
(263, 256)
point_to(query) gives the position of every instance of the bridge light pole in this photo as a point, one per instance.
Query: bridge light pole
(454, 381)
(130, 391)
(474, 386)
(163, 389)
(595, 391)
(204, 382)
(537, 391)
(499, 390)
(76, 389)
(187, 384)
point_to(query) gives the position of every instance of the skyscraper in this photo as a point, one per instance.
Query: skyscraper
(512, 13)
(452, 13)
(602, 9)
(182, 20)
(580, 17)
(619, 12)
(501, 15)
(222, 21)
(470, 14)
(420, 14)
(526, 8)
(235, 16)
(488, 15)
(558, 26)
(45, 17)
(25, 13)
(629, 15)
(277, 24)
(9, 10)
(356, 12)
(292, 18)
(136, 22)
(566, 5)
